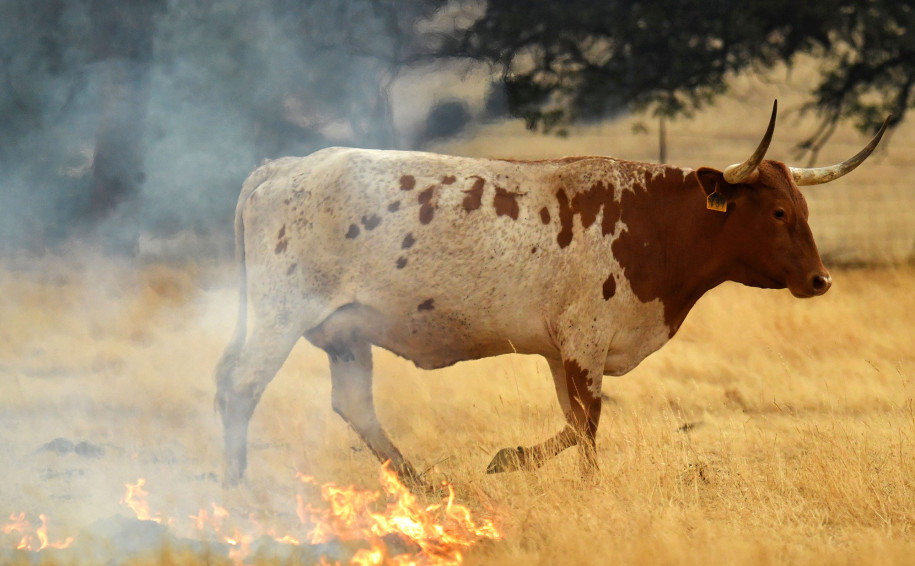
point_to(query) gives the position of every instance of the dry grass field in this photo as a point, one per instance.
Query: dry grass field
(769, 431)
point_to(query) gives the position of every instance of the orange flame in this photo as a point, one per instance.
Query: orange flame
(29, 541)
(436, 534)
(135, 498)
(440, 531)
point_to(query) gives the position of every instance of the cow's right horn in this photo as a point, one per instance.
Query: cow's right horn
(746, 171)
(818, 175)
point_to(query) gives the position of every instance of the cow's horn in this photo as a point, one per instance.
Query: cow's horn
(818, 175)
(746, 171)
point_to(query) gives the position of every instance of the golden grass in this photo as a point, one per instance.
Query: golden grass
(800, 415)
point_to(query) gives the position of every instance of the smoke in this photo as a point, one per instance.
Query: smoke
(116, 356)
(227, 84)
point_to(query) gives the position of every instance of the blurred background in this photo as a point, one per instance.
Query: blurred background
(132, 125)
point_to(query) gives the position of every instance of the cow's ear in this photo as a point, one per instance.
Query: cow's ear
(712, 181)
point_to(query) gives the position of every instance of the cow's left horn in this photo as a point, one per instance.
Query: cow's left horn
(746, 171)
(818, 175)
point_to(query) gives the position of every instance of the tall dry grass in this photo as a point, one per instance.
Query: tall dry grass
(770, 430)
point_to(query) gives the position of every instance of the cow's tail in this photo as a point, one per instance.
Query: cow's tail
(230, 356)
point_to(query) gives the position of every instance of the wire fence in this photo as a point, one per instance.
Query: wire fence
(864, 225)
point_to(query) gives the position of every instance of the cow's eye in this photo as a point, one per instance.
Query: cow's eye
(779, 214)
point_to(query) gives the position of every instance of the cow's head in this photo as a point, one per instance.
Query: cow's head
(766, 234)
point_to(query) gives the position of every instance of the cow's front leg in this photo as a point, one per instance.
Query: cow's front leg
(352, 399)
(578, 391)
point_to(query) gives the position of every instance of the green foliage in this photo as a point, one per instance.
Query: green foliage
(581, 60)
(871, 71)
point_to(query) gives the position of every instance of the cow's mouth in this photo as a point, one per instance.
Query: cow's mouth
(763, 281)
(805, 294)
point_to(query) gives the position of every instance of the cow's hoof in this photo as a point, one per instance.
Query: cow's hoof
(416, 484)
(413, 481)
(233, 475)
(506, 460)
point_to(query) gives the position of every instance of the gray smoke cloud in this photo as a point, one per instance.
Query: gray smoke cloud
(228, 84)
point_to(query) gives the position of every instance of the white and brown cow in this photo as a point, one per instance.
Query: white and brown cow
(591, 262)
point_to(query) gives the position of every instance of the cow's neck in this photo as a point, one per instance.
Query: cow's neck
(672, 247)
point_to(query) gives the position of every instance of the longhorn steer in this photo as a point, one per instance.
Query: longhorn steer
(591, 262)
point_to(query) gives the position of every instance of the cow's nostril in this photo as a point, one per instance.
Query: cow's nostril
(821, 283)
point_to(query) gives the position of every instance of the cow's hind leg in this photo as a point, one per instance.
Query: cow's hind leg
(581, 408)
(352, 399)
(241, 378)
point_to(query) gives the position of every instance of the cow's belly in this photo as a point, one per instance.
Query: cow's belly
(428, 334)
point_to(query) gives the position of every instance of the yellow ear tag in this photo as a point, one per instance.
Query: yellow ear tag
(716, 202)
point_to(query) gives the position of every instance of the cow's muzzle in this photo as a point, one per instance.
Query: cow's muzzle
(816, 285)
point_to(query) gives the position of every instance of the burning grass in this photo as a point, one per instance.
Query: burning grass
(769, 430)
(24, 536)
(368, 527)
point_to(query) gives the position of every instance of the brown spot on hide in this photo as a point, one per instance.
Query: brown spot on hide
(534, 250)
(639, 244)
(427, 305)
(505, 203)
(585, 406)
(425, 196)
(282, 232)
(371, 222)
(408, 241)
(394, 206)
(280, 247)
(574, 371)
(669, 239)
(474, 195)
(450, 179)
(545, 215)
(291, 269)
(426, 213)
(609, 287)
(564, 238)
(352, 232)
(407, 182)
(587, 204)
(427, 210)
(401, 262)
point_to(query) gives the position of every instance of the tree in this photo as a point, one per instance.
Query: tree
(871, 70)
(582, 60)
(122, 45)
(353, 52)
(39, 83)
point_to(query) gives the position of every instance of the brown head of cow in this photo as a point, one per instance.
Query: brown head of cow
(770, 243)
